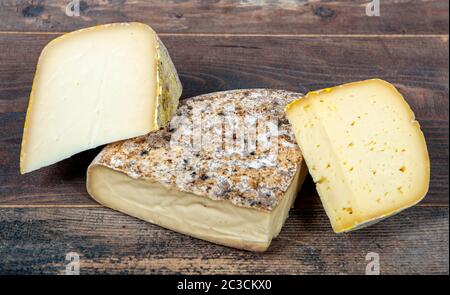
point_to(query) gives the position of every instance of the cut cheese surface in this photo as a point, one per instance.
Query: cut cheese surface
(364, 150)
(226, 169)
(216, 221)
(96, 86)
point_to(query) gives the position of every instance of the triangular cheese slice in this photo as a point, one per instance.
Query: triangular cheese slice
(96, 86)
(364, 150)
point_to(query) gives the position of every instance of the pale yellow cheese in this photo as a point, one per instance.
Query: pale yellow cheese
(364, 150)
(95, 86)
(216, 221)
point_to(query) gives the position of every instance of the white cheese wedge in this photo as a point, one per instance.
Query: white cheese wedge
(209, 174)
(96, 86)
(364, 150)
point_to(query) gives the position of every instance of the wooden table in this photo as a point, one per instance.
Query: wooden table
(218, 45)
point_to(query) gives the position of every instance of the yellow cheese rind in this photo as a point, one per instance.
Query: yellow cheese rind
(364, 150)
(169, 86)
(96, 86)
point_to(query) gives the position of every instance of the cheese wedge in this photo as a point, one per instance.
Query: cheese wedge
(364, 150)
(96, 86)
(226, 170)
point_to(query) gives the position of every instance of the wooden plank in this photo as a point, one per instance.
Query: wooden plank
(419, 67)
(234, 16)
(35, 241)
(211, 63)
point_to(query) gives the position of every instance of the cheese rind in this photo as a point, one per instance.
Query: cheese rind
(364, 150)
(95, 86)
(168, 86)
(203, 175)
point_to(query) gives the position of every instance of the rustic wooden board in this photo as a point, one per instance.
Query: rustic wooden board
(418, 66)
(234, 16)
(36, 241)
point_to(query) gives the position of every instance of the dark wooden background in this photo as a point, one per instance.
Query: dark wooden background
(218, 45)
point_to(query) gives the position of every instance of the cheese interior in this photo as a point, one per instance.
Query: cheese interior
(364, 150)
(219, 222)
(93, 86)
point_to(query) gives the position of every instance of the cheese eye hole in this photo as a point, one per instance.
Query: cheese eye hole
(322, 180)
(349, 210)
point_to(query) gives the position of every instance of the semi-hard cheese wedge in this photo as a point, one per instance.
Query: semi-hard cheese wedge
(364, 150)
(96, 86)
(226, 169)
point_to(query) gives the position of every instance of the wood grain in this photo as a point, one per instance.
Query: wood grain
(222, 45)
(35, 241)
(233, 16)
(418, 66)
